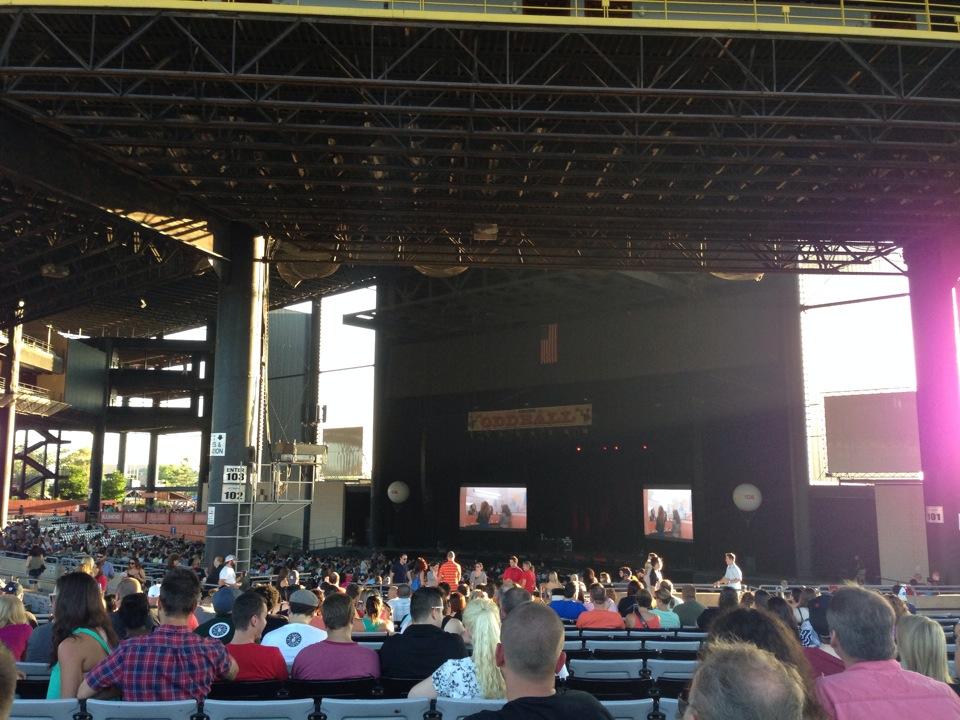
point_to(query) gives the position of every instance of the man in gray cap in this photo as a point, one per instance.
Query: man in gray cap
(298, 633)
(220, 626)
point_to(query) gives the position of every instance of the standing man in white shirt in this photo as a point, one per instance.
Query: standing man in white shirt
(228, 576)
(733, 577)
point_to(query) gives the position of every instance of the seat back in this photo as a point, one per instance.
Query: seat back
(607, 669)
(456, 709)
(671, 668)
(688, 645)
(633, 645)
(44, 709)
(668, 706)
(630, 709)
(572, 645)
(248, 690)
(629, 689)
(351, 688)
(34, 689)
(123, 710)
(375, 646)
(34, 671)
(691, 635)
(613, 634)
(273, 710)
(394, 687)
(397, 709)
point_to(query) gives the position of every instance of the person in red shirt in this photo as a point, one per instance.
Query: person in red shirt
(513, 573)
(256, 662)
(450, 572)
(599, 618)
(529, 580)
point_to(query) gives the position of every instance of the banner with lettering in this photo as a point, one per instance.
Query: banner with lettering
(558, 416)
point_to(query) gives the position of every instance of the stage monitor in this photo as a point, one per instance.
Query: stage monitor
(668, 513)
(493, 508)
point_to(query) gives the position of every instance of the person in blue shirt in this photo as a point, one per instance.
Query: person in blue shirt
(568, 608)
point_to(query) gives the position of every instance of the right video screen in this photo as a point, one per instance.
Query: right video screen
(668, 513)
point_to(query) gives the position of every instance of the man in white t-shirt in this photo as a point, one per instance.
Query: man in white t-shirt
(298, 633)
(733, 577)
(228, 575)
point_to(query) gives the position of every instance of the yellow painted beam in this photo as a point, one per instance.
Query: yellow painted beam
(747, 25)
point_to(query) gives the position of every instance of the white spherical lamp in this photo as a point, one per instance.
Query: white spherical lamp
(747, 497)
(398, 492)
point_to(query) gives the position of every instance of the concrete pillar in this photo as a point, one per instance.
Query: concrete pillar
(236, 376)
(99, 435)
(122, 453)
(934, 268)
(152, 468)
(378, 480)
(8, 418)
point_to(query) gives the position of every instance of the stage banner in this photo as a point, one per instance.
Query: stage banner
(558, 416)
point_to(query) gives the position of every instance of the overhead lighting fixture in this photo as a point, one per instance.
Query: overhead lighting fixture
(143, 303)
(54, 271)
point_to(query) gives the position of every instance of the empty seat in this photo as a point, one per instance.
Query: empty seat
(614, 645)
(688, 645)
(671, 668)
(612, 634)
(44, 709)
(400, 709)
(249, 690)
(617, 654)
(569, 645)
(608, 669)
(375, 646)
(122, 710)
(33, 689)
(629, 709)
(452, 709)
(393, 687)
(671, 687)
(650, 635)
(273, 710)
(622, 689)
(691, 635)
(668, 706)
(351, 688)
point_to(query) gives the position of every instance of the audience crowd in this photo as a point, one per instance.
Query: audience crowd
(459, 632)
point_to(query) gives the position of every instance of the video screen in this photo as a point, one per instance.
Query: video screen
(493, 508)
(668, 513)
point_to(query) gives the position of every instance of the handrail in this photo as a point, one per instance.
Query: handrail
(907, 18)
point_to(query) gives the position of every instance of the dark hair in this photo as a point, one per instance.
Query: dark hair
(79, 605)
(765, 630)
(134, 611)
(514, 598)
(570, 589)
(246, 607)
(423, 602)
(110, 602)
(179, 592)
(457, 603)
(373, 606)
(779, 607)
(729, 598)
(633, 587)
(598, 596)
(270, 595)
(761, 597)
(337, 611)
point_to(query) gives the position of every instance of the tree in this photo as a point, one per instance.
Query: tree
(114, 486)
(177, 475)
(75, 472)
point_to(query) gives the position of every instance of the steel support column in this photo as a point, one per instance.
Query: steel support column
(934, 268)
(237, 376)
(99, 436)
(8, 418)
(152, 469)
(378, 482)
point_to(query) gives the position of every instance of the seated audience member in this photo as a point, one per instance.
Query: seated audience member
(372, 617)
(923, 647)
(220, 626)
(551, 587)
(398, 598)
(689, 610)
(135, 617)
(15, 630)
(530, 655)
(126, 587)
(747, 600)
(453, 605)
(82, 635)
(607, 604)
(338, 657)
(600, 618)
(8, 682)
(568, 608)
(823, 659)
(728, 600)
(760, 599)
(254, 662)
(642, 617)
(171, 663)
(763, 629)
(739, 681)
(512, 599)
(874, 685)
(669, 620)
(423, 646)
(271, 596)
(298, 633)
(628, 602)
(16, 589)
(781, 608)
(40, 644)
(477, 675)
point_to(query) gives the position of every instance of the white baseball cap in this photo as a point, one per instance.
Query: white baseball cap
(154, 591)
(228, 558)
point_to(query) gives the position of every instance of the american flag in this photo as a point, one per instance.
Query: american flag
(548, 344)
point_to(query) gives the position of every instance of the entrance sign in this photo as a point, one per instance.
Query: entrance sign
(557, 416)
(237, 494)
(234, 474)
(218, 444)
(935, 514)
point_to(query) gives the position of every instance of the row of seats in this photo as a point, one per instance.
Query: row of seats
(328, 709)
(634, 645)
(573, 633)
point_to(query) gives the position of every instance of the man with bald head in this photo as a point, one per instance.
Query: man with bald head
(529, 655)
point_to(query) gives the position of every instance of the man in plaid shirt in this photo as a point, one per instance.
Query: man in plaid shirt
(171, 663)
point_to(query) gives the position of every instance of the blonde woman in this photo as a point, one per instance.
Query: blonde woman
(475, 676)
(15, 627)
(552, 583)
(87, 565)
(923, 647)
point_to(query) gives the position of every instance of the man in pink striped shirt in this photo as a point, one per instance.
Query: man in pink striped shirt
(874, 686)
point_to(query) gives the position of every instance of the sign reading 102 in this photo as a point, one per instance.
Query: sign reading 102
(235, 493)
